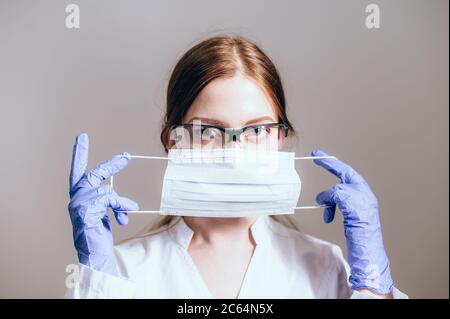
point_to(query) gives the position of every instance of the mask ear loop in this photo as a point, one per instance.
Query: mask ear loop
(111, 183)
(313, 157)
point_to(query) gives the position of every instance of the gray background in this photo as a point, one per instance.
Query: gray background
(377, 99)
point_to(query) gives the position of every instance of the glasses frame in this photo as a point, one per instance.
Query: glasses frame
(234, 134)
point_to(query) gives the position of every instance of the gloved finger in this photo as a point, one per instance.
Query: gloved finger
(329, 197)
(340, 169)
(79, 159)
(118, 203)
(107, 169)
(128, 204)
(122, 218)
(328, 214)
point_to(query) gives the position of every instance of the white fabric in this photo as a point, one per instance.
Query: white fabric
(285, 264)
(229, 182)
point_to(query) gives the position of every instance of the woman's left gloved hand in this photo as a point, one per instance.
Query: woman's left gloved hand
(359, 206)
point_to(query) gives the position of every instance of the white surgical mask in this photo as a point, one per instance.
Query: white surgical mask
(229, 182)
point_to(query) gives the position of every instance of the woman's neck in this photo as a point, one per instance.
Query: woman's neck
(220, 230)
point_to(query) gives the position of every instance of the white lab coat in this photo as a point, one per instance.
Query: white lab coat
(285, 264)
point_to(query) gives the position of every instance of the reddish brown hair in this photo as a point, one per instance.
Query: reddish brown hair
(216, 57)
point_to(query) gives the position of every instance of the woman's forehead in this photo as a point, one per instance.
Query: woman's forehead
(232, 100)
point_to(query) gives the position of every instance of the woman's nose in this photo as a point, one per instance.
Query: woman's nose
(233, 144)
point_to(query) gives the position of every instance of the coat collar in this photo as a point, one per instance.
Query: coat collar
(183, 234)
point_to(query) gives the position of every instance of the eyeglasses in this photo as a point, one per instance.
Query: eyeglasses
(217, 136)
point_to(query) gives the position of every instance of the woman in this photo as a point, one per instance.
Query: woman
(225, 82)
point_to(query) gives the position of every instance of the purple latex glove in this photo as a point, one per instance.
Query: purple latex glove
(88, 207)
(359, 206)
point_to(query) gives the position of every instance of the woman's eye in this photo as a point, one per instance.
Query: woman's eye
(211, 135)
(257, 132)
(263, 130)
(208, 133)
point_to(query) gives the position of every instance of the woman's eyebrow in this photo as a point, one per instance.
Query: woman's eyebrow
(207, 120)
(260, 119)
(223, 124)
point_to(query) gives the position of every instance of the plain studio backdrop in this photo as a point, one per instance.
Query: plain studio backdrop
(375, 98)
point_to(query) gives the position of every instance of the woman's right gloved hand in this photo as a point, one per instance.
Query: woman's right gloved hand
(88, 207)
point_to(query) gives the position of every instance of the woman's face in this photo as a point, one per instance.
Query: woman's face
(235, 102)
